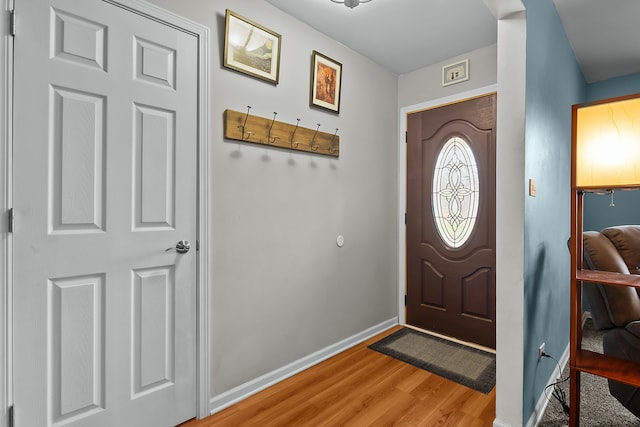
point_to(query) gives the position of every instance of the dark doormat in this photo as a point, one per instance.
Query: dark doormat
(468, 366)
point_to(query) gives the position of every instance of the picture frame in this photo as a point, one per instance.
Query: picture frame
(251, 48)
(326, 82)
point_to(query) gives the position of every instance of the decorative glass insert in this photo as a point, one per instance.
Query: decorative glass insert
(455, 192)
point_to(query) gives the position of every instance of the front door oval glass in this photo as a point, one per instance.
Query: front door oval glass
(455, 192)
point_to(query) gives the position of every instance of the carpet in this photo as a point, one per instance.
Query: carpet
(597, 406)
(468, 366)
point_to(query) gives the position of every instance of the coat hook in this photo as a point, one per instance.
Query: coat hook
(314, 146)
(269, 139)
(245, 124)
(294, 144)
(332, 148)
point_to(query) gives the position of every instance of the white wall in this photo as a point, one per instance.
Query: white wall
(510, 186)
(510, 158)
(425, 84)
(281, 287)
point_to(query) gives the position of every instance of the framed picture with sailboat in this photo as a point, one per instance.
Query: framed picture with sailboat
(251, 48)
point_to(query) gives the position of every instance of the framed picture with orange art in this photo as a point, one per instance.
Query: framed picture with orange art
(326, 82)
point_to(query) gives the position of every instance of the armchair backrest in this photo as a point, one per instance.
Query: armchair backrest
(615, 249)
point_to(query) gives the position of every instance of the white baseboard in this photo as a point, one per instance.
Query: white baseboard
(541, 406)
(249, 388)
(498, 423)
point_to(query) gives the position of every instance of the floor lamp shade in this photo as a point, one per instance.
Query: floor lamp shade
(607, 143)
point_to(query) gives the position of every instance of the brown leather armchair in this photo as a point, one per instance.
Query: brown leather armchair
(616, 309)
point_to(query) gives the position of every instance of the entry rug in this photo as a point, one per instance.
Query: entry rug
(468, 366)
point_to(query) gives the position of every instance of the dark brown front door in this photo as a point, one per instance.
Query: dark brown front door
(451, 220)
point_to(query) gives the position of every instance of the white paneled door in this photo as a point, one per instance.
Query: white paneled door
(104, 188)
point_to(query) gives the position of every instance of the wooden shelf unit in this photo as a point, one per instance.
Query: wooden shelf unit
(592, 175)
(583, 360)
(613, 368)
(608, 278)
(580, 360)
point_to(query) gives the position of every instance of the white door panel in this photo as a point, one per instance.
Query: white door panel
(105, 137)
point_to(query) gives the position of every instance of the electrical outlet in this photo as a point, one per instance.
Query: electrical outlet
(540, 351)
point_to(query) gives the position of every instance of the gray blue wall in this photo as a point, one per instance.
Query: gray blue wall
(617, 86)
(597, 212)
(554, 83)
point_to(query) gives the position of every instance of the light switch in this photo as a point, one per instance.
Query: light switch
(533, 191)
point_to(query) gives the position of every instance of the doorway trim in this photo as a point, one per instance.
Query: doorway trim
(6, 52)
(203, 193)
(402, 181)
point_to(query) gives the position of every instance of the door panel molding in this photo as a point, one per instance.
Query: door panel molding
(203, 194)
(402, 179)
(203, 191)
(6, 69)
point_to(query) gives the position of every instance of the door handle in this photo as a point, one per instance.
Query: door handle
(182, 247)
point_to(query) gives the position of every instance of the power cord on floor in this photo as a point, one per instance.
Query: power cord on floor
(557, 393)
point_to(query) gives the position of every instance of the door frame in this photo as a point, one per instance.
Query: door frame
(402, 181)
(202, 203)
(6, 76)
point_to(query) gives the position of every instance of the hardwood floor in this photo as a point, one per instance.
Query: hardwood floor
(360, 387)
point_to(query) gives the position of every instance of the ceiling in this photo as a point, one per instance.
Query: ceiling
(405, 35)
(605, 36)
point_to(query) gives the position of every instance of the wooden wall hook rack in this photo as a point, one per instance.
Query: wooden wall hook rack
(270, 132)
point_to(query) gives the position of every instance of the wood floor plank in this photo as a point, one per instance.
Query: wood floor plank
(360, 387)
